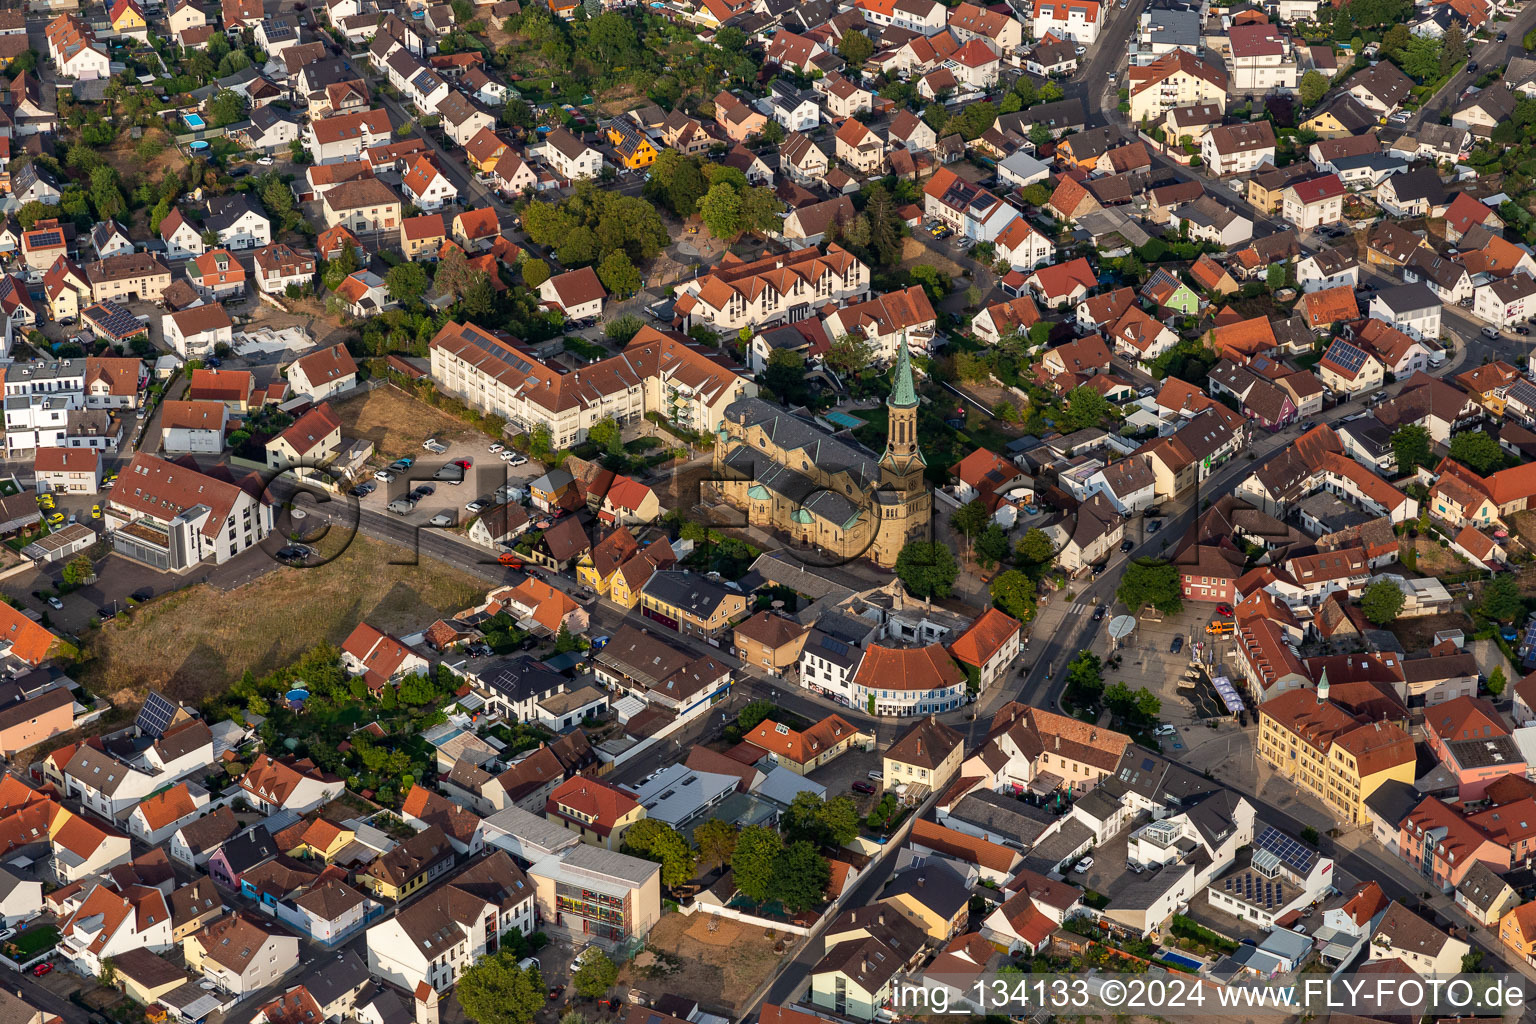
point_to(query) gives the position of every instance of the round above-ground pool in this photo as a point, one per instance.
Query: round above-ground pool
(197, 146)
(296, 696)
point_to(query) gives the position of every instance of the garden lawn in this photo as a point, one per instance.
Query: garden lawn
(193, 643)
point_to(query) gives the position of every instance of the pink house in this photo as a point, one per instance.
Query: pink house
(1470, 738)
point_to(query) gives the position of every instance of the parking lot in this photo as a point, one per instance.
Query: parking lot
(485, 474)
(1147, 659)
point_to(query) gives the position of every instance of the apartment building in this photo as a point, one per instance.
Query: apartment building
(782, 288)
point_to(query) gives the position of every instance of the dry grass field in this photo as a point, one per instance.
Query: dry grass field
(395, 422)
(720, 968)
(198, 640)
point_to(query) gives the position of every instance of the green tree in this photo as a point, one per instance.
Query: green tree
(820, 822)
(927, 568)
(618, 274)
(720, 209)
(716, 841)
(541, 444)
(971, 518)
(1411, 448)
(1085, 408)
(535, 273)
(849, 355)
(225, 108)
(595, 974)
(1381, 602)
(757, 847)
(1148, 706)
(1313, 87)
(34, 211)
(1014, 593)
(623, 328)
(1453, 49)
(677, 182)
(78, 570)
(1497, 681)
(855, 48)
(417, 691)
(1477, 451)
(991, 545)
(1036, 549)
(772, 133)
(1150, 582)
(1085, 678)
(1420, 59)
(1274, 277)
(407, 282)
(565, 642)
(1393, 43)
(494, 990)
(934, 281)
(657, 841)
(800, 877)
(607, 434)
(1501, 600)
(106, 193)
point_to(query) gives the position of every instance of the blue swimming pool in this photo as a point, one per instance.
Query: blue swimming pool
(1179, 960)
(842, 419)
(195, 121)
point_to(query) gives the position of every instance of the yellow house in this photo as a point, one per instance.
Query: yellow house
(598, 812)
(634, 149)
(64, 285)
(691, 604)
(928, 753)
(315, 840)
(415, 863)
(933, 896)
(626, 584)
(185, 16)
(597, 568)
(193, 906)
(1327, 752)
(127, 17)
(484, 149)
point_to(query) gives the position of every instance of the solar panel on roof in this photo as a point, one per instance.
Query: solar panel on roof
(114, 319)
(1346, 355)
(1297, 856)
(156, 715)
(47, 238)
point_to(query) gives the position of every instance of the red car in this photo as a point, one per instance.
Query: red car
(42, 969)
(862, 787)
(1224, 609)
(462, 463)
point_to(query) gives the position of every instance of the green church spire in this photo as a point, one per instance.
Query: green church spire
(903, 392)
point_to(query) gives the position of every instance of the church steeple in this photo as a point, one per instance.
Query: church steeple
(903, 393)
(902, 463)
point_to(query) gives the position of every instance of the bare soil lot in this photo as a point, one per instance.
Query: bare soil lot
(396, 423)
(720, 968)
(198, 640)
(1434, 560)
(1417, 634)
(914, 252)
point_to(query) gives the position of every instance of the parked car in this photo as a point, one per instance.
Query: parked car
(477, 505)
(384, 476)
(862, 787)
(1154, 526)
(434, 446)
(41, 969)
(1224, 609)
(1083, 866)
(494, 448)
(510, 560)
(441, 519)
(1490, 332)
(364, 489)
(95, 511)
(1176, 646)
(142, 594)
(55, 603)
(402, 506)
(1098, 614)
(1127, 544)
(1164, 730)
(423, 490)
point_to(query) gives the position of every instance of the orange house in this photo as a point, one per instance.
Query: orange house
(1517, 930)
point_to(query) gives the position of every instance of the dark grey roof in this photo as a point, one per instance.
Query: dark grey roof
(266, 117)
(223, 211)
(1003, 816)
(694, 594)
(386, 1004)
(1157, 779)
(1393, 801)
(1420, 182)
(1212, 817)
(1140, 892)
(935, 885)
(248, 849)
(796, 434)
(1481, 886)
(521, 678)
(331, 979)
(1407, 297)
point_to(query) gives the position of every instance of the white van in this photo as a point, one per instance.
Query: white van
(877, 776)
(527, 962)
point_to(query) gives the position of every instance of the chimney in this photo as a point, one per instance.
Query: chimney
(1058, 741)
(922, 880)
(879, 919)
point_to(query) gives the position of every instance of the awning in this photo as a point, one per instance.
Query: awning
(1045, 784)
